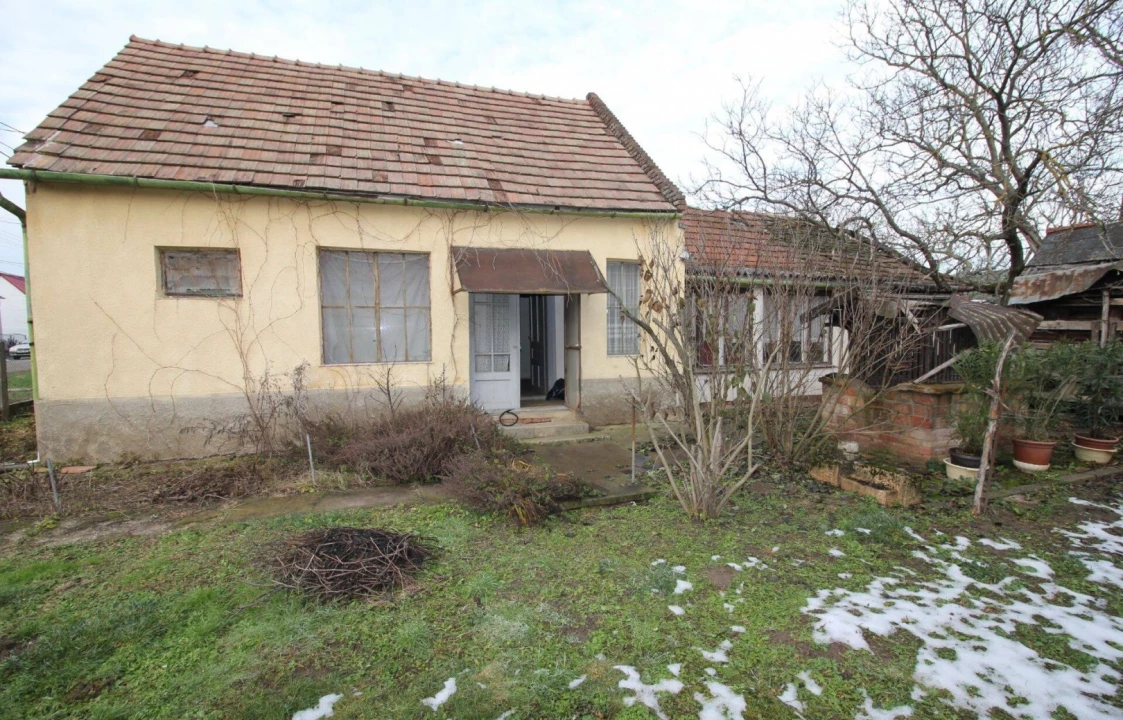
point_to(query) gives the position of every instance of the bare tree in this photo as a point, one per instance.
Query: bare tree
(968, 127)
(735, 342)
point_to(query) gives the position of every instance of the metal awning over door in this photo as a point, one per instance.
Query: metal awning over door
(527, 272)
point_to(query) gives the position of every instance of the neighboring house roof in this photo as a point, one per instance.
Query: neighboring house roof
(172, 112)
(771, 245)
(15, 281)
(1070, 260)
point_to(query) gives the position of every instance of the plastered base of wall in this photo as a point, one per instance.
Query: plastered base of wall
(101, 430)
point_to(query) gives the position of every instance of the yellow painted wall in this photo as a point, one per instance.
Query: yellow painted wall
(104, 329)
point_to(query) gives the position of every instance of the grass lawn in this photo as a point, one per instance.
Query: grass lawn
(185, 625)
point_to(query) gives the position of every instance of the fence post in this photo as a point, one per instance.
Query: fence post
(5, 409)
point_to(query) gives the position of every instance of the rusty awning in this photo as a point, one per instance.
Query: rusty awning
(528, 272)
(1049, 283)
(993, 323)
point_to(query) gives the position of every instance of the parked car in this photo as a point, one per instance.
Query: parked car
(19, 352)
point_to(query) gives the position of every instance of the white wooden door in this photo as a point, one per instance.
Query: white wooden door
(494, 344)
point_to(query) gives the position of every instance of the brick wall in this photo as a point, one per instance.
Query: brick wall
(913, 422)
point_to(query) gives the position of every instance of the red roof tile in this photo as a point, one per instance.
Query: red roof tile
(170, 111)
(770, 245)
(16, 281)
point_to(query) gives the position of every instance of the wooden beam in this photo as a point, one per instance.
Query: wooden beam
(1105, 319)
(1085, 325)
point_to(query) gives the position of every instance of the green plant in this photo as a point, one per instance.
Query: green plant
(969, 418)
(1098, 383)
(1035, 384)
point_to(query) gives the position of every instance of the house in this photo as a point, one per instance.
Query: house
(1075, 282)
(13, 308)
(202, 222)
(789, 272)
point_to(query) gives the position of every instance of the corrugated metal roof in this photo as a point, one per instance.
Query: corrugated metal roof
(1058, 281)
(523, 271)
(993, 323)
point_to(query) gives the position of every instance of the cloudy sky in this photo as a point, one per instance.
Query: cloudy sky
(664, 68)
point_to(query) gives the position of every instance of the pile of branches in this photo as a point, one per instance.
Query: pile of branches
(345, 562)
(212, 482)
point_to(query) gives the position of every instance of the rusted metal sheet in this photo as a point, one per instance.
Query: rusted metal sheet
(527, 272)
(993, 323)
(1058, 281)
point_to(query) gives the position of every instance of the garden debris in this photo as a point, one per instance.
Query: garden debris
(77, 469)
(222, 482)
(347, 562)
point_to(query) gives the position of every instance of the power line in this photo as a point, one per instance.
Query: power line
(17, 130)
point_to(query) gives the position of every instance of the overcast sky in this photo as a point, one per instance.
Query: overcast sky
(662, 67)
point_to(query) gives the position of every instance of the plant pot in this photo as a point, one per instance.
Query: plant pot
(965, 460)
(1033, 455)
(1093, 455)
(1095, 443)
(958, 472)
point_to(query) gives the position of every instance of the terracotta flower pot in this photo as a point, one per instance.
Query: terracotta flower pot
(1095, 443)
(962, 459)
(1033, 455)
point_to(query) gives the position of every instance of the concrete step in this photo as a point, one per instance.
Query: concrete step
(563, 439)
(525, 431)
(554, 413)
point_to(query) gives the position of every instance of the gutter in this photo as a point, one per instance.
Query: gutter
(257, 190)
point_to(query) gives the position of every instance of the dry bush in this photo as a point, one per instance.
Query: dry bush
(227, 481)
(344, 562)
(410, 444)
(517, 489)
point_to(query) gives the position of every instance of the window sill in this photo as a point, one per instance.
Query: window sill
(376, 363)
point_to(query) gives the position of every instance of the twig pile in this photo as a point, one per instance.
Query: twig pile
(345, 562)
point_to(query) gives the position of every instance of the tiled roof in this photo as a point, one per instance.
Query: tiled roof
(15, 281)
(180, 113)
(770, 245)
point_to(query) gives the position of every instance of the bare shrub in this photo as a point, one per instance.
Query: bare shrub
(415, 443)
(522, 491)
(226, 481)
(344, 562)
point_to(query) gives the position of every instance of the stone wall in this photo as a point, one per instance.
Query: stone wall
(913, 422)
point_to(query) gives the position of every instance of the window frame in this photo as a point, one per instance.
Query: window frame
(613, 297)
(806, 341)
(162, 253)
(718, 357)
(377, 307)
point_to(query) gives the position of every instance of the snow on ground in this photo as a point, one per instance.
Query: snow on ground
(325, 708)
(506, 715)
(967, 629)
(646, 694)
(835, 552)
(577, 683)
(790, 697)
(1105, 538)
(682, 586)
(836, 532)
(753, 562)
(719, 654)
(808, 682)
(1000, 544)
(441, 697)
(723, 703)
(680, 569)
(869, 712)
(676, 609)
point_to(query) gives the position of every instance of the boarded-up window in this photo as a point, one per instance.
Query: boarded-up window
(375, 306)
(623, 334)
(201, 273)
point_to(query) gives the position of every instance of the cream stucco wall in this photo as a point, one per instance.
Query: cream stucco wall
(105, 333)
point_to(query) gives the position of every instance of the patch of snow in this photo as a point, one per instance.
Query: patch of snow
(775, 548)
(917, 693)
(711, 672)
(1038, 567)
(506, 715)
(1105, 538)
(715, 558)
(675, 668)
(720, 654)
(790, 697)
(676, 609)
(966, 630)
(869, 712)
(577, 683)
(864, 531)
(728, 607)
(1001, 544)
(797, 562)
(482, 686)
(912, 534)
(647, 695)
(441, 697)
(808, 682)
(723, 703)
(1103, 572)
(735, 566)
(682, 586)
(325, 708)
(961, 544)
(737, 628)
(845, 576)
(601, 657)
(680, 569)
(660, 561)
(755, 563)
(836, 532)
(835, 552)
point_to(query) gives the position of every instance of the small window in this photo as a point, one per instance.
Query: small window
(201, 273)
(375, 307)
(623, 334)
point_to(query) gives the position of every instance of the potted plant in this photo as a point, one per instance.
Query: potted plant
(969, 420)
(1036, 383)
(1098, 390)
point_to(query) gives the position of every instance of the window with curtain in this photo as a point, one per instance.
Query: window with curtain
(723, 327)
(623, 334)
(802, 340)
(374, 306)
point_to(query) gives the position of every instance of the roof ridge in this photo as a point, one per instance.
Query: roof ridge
(340, 66)
(668, 189)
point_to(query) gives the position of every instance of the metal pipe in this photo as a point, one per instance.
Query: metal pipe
(215, 188)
